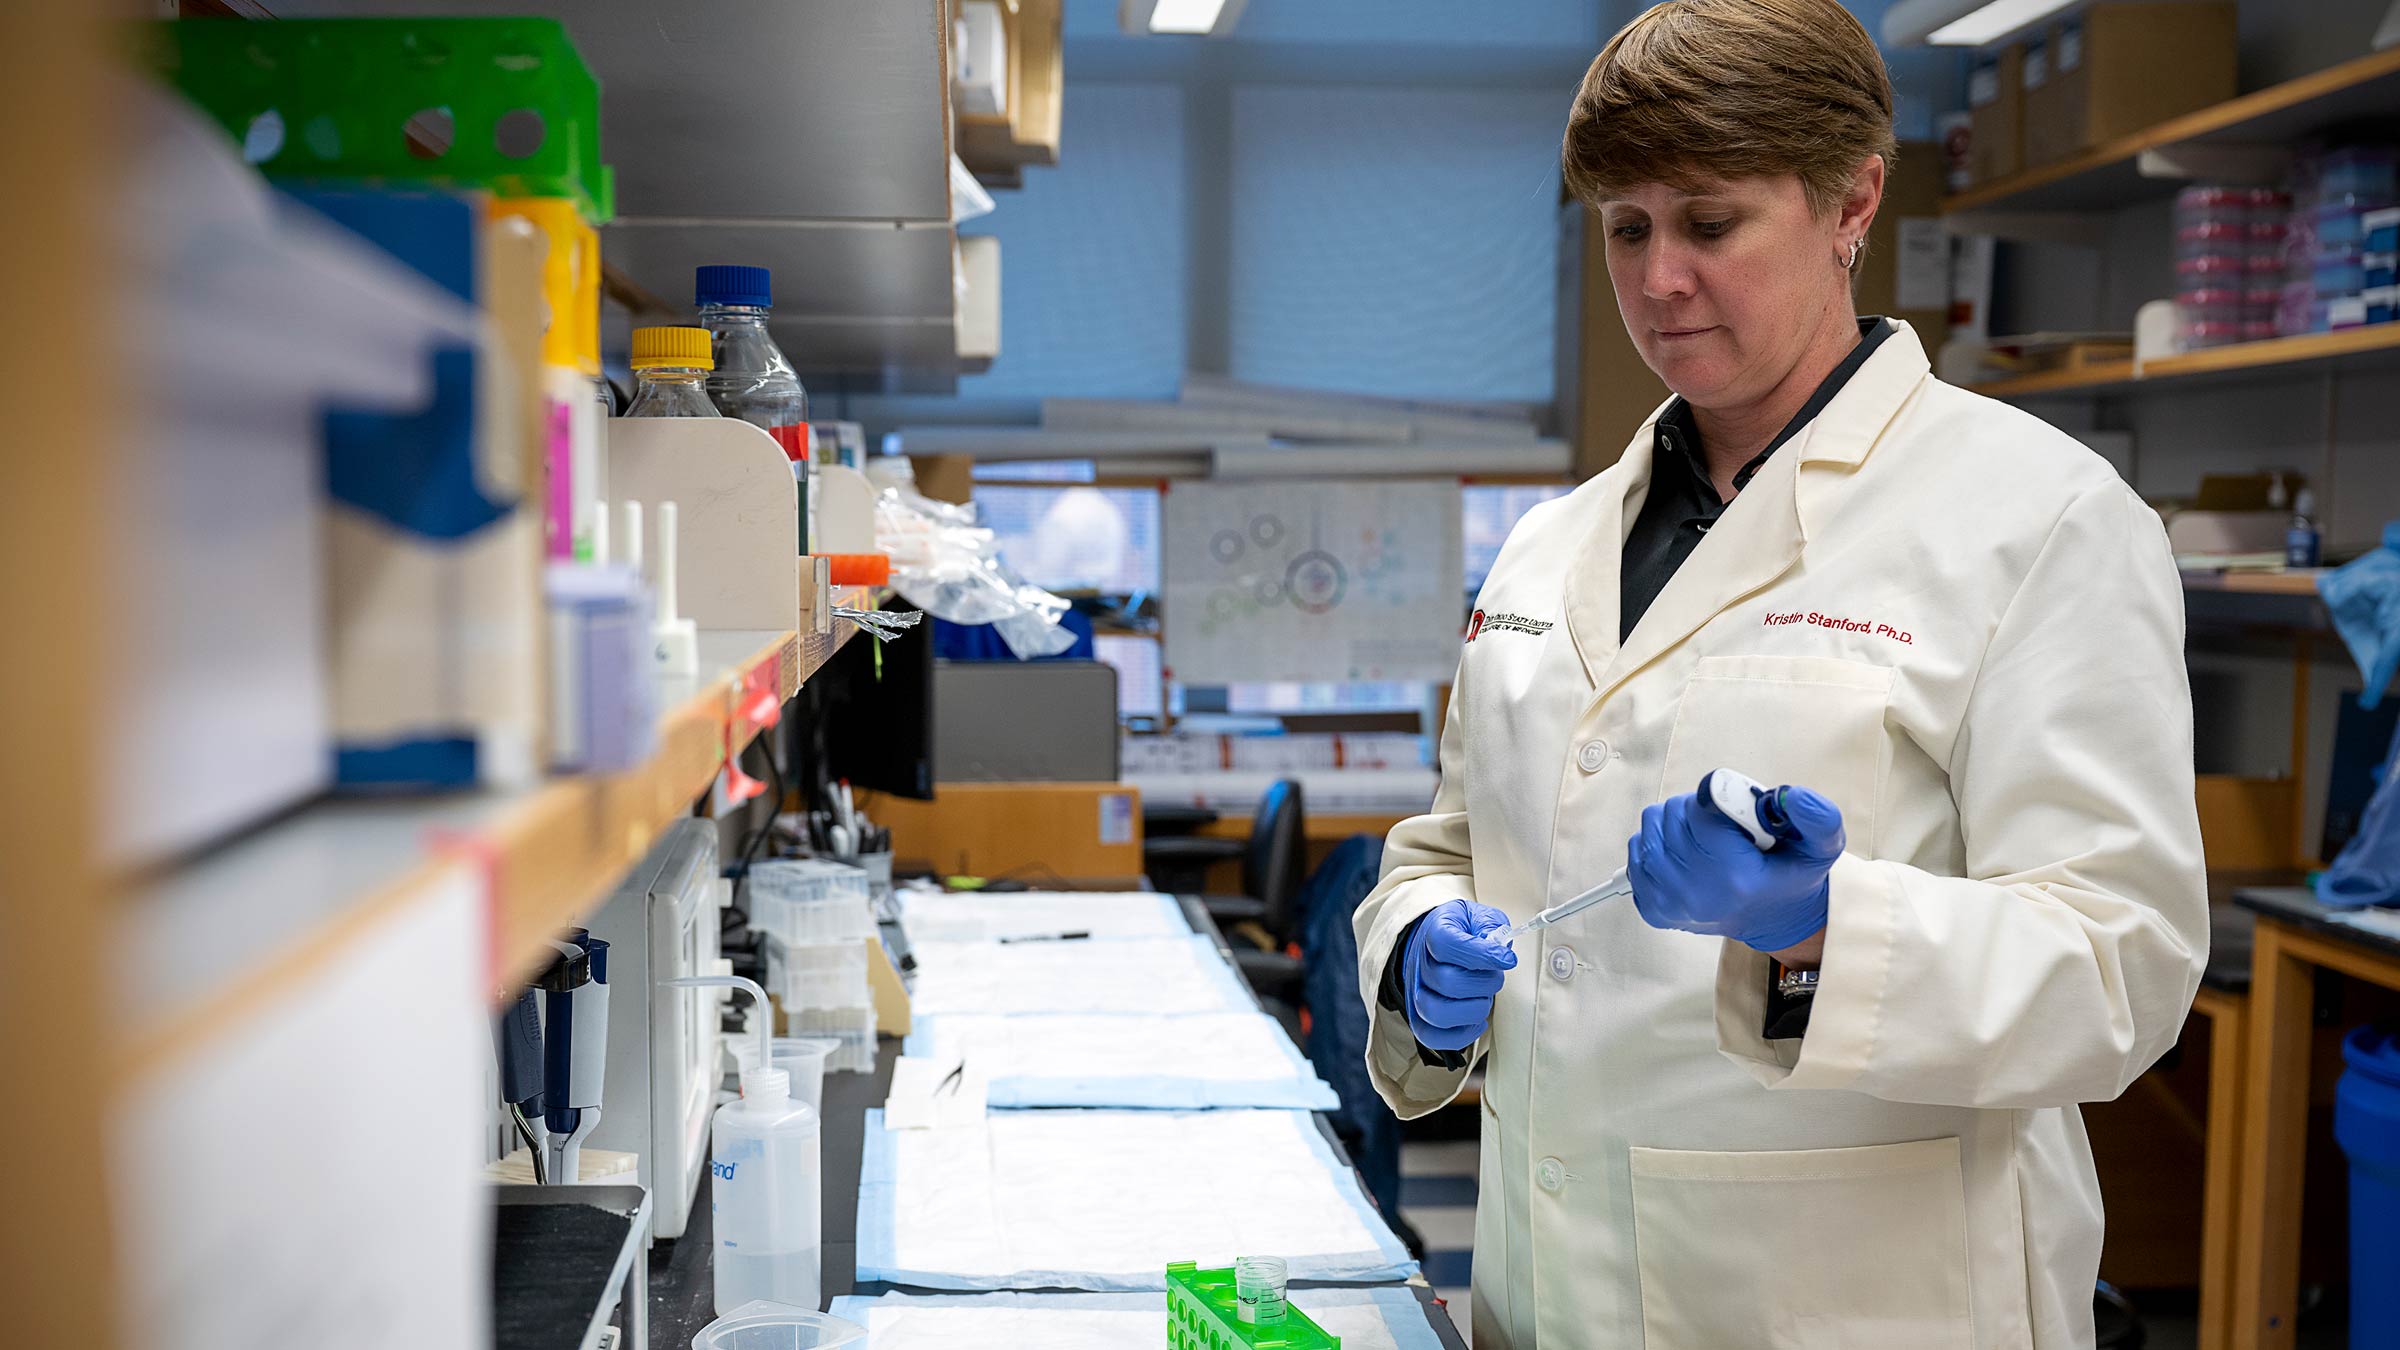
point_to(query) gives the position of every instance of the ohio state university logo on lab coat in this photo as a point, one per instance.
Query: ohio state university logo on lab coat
(1506, 623)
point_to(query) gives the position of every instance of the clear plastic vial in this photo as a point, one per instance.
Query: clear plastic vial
(1258, 1286)
(670, 371)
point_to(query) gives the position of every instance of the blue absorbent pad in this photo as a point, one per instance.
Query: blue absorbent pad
(1104, 1200)
(1196, 1061)
(1363, 1318)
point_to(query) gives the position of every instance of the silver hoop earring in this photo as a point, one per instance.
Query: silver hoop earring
(1855, 246)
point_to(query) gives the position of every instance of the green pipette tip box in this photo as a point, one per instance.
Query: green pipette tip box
(1203, 1313)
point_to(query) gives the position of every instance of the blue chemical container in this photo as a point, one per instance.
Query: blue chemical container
(2366, 1122)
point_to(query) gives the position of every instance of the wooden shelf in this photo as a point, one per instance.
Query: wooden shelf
(2307, 348)
(2309, 353)
(2302, 582)
(997, 147)
(2094, 375)
(2107, 175)
(2281, 602)
(1329, 828)
(200, 946)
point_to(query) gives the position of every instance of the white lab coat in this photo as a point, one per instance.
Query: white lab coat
(1966, 630)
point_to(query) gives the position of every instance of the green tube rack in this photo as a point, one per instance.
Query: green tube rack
(504, 105)
(1203, 1314)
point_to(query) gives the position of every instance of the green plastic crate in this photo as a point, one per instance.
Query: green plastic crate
(503, 105)
(1203, 1314)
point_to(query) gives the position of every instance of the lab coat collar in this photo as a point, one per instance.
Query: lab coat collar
(1856, 418)
(1593, 597)
(1757, 539)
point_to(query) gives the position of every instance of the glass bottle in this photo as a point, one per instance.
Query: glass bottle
(670, 371)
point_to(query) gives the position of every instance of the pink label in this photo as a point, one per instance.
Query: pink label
(560, 522)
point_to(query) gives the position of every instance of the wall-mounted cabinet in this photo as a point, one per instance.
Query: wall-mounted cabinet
(811, 137)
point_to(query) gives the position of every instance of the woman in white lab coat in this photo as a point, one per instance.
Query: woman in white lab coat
(1824, 1096)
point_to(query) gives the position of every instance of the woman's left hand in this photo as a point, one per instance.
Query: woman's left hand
(1694, 870)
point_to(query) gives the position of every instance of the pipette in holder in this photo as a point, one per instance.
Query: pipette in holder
(1759, 810)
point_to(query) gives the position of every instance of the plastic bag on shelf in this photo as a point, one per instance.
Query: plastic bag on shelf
(948, 566)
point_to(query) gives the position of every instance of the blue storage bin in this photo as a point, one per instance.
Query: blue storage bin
(2336, 275)
(2371, 171)
(2341, 227)
(2382, 230)
(2366, 1122)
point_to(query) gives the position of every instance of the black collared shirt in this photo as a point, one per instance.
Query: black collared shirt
(1682, 504)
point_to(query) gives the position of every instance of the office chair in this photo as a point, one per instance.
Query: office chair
(1274, 864)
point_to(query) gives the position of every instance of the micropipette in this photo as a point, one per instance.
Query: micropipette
(1610, 889)
(1736, 796)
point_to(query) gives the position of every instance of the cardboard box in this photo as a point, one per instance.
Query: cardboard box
(1081, 831)
(1905, 271)
(1996, 109)
(2117, 69)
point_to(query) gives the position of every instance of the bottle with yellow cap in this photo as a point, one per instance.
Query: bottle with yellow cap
(670, 371)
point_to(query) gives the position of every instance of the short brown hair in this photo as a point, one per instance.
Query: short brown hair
(1702, 89)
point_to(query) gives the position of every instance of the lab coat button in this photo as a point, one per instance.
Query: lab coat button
(1550, 1174)
(1592, 756)
(1562, 963)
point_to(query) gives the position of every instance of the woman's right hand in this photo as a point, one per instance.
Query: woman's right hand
(1451, 970)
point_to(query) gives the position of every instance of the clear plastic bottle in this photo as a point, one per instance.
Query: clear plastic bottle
(765, 1177)
(670, 371)
(753, 380)
(766, 1202)
(2301, 542)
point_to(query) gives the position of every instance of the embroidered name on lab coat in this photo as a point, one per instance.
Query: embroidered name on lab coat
(1479, 623)
(1840, 625)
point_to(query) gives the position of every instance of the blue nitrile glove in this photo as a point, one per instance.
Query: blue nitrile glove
(1452, 969)
(1694, 870)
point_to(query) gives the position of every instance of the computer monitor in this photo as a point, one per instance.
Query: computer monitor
(870, 723)
(1024, 722)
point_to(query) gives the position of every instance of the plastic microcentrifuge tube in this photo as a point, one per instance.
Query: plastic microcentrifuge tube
(1258, 1287)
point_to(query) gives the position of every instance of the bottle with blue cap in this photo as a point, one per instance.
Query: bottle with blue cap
(753, 380)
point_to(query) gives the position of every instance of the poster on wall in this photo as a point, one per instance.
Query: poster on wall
(1312, 581)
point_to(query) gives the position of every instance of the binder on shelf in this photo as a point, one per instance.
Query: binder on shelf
(434, 562)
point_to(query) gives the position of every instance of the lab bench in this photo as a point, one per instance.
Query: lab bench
(681, 1291)
(2296, 937)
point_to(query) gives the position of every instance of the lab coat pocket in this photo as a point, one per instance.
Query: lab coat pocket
(1855, 1248)
(1813, 720)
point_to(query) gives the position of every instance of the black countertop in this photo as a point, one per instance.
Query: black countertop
(2299, 906)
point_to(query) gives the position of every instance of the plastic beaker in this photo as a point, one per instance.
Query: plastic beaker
(804, 1059)
(760, 1325)
(1258, 1285)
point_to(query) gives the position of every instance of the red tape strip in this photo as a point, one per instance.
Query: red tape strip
(484, 855)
